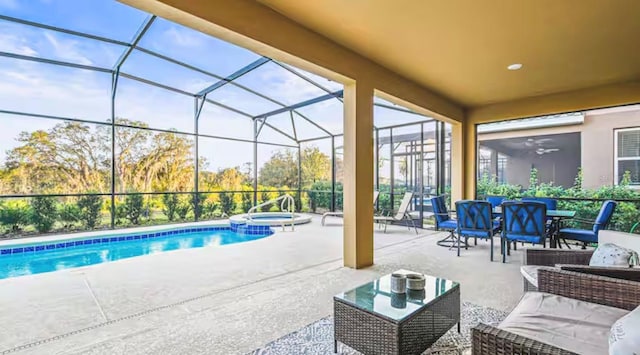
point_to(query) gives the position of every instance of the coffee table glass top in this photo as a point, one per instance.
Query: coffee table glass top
(376, 296)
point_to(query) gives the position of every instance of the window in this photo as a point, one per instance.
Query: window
(627, 160)
(502, 168)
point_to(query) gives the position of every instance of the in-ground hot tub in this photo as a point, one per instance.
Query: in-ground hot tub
(273, 219)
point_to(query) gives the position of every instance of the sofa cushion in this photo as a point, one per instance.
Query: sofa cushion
(625, 334)
(609, 254)
(565, 323)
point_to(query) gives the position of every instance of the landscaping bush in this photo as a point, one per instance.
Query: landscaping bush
(227, 203)
(43, 213)
(624, 217)
(69, 214)
(183, 208)
(170, 202)
(90, 206)
(14, 214)
(197, 204)
(247, 201)
(133, 208)
(264, 197)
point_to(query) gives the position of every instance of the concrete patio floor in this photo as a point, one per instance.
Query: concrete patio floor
(225, 300)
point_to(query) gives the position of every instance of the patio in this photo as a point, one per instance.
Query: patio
(201, 300)
(192, 112)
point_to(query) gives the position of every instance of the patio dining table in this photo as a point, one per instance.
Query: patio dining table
(556, 218)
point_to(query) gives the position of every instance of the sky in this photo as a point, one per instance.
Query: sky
(42, 88)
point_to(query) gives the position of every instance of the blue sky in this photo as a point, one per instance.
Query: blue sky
(48, 89)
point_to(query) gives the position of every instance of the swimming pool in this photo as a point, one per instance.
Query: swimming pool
(26, 259)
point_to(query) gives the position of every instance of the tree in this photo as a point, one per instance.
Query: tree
(316, 166)
(280, 170)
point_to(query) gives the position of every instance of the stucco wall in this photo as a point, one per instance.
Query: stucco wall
(598, 151)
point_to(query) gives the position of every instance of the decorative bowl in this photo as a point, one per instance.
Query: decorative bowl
(415, 282)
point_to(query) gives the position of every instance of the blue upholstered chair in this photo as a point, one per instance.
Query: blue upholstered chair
(443, 220)
(475, 220)
(496, 201)
(523, 221)
(551, 203)
(591, 235)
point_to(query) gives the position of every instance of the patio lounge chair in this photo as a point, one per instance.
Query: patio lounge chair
(401, 215)
(341, 214)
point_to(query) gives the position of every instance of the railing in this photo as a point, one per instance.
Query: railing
(287, 203)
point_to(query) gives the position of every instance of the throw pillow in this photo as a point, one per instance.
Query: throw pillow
(624, 338)
(609, 254)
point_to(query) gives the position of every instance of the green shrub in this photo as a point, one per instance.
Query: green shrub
(197, 204)
(183, 208)
(133, 207)
(90, 206)
(69, 214)
(43, 213)
(14, 214)
(170, 202)
(209, 209)
(227, 203)
(247, 201)
(264, 197)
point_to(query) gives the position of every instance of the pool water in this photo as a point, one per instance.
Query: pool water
(84, 255)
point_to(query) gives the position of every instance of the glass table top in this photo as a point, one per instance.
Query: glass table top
(376, 296)
(550, 213)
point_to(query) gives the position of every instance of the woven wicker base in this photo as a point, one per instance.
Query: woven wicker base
(317, 338)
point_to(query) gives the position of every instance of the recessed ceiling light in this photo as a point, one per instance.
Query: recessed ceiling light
(514, 66)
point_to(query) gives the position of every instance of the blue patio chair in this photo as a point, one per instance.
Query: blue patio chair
(551, 203)
(523, 221)
(495, 201)
(443, 220)
(591, 235)
(475, 220)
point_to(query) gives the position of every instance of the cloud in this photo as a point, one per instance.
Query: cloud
(183, 38)
(67, 48)
(15, 44)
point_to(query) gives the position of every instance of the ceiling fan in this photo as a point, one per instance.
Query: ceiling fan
(541, 151)
(530, 142)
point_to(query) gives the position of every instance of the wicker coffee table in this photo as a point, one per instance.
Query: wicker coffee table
(373, 320)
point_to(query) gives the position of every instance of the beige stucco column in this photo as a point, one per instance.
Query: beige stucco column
(358, 175)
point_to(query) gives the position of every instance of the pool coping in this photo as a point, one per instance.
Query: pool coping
(108, 232)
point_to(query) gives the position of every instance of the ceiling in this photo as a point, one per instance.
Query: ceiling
(536, 146)
(461, 48)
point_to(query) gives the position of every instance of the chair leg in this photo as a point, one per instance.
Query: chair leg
(459, 240)
(475, 241)
(515, 245)
(503, 244)
(491, 253)
(508, 247)
(414, 225)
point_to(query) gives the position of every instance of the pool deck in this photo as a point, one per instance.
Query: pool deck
(225, 300)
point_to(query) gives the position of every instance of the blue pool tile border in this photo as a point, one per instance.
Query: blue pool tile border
(62, 244)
